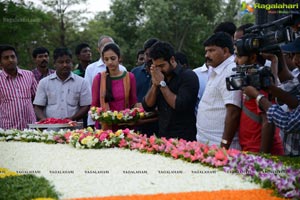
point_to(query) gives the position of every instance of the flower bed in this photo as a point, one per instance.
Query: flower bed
(283, 179)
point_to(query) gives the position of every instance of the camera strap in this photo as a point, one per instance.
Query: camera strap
(252, 115)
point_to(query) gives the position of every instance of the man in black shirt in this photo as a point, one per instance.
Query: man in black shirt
(174, 92)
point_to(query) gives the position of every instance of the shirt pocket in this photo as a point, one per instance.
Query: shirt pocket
(73, 98)
(51, 98)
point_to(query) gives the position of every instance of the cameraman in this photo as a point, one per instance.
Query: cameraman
(289, 122)
(255, 132)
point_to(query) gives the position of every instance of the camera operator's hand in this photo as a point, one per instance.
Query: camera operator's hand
(274, 65)
(251, 91)
(156, 74)
(269, 56)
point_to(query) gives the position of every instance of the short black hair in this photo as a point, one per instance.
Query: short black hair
(61, 51)
(227, 27)
(220, 39)
(162, 50)
(141, 51)
(149, 43)
(39, 50)
(244, 27)
(79, 47)
(6, 47)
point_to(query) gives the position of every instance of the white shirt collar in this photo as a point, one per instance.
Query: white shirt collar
(223, 65)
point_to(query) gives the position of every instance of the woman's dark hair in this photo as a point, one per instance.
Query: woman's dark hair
(115, 48)
(111, 46)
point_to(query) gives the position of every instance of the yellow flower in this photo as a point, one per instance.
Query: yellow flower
(43, 199)
(5, 173)
(87, 139)
(119, 132)
(120, 116)
(89, 129)
(111, 134)
(105, 114)
(93, 109)
(142, 114)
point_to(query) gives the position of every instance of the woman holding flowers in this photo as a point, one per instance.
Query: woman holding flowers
(113, 89)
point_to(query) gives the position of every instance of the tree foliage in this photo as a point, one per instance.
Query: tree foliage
(24, 27)
(185, 24)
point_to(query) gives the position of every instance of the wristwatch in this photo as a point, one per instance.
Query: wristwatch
(163, 84)
(258, 98)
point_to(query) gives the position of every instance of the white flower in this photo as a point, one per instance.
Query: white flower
(29, 137)
(78, 146)
(9, 132)
(9, 137)
(37, 137)
(17, 138)
(24, 136)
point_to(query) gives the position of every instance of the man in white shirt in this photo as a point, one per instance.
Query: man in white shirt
(219, 109)
(98, 67)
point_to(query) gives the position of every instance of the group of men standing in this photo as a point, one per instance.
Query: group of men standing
(192, 105)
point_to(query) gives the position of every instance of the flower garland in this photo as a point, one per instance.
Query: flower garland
(32, 135)
(284, 179)
(116, 117)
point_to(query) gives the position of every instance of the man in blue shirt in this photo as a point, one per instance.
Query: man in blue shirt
(143, 83)
(142, 72)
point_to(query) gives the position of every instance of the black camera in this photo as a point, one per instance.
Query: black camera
(261, 38)
(267, 37)
(257, 76)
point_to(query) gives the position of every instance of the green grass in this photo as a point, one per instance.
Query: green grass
(26, 187)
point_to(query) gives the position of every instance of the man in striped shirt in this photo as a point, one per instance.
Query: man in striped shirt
(17, 91)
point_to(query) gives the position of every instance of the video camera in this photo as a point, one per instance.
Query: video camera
(267, 37)
(260, 38)
(257, 76)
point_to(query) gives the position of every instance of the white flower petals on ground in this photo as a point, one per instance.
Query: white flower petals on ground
(107, 172)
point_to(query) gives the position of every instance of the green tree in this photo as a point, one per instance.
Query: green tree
(93, 30)
(67, 20)
(185, 24)
(23, 27)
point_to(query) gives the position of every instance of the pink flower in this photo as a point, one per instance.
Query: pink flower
(67, 136)
(233, 152)
(186, 155)
(126, 131)
(174, 153)
(103, 136)
(152, 140)
(220, 155)
(122, 143)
